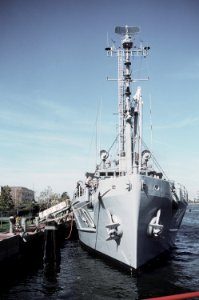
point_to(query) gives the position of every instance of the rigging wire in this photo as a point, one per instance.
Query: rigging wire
(151, 129)
(151, 125)
(94, 137)
(155, 161)
(150, 110)
(115, 140)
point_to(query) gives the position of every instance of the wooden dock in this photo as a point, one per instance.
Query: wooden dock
(9, 246)
(15, 243)
(25, 237)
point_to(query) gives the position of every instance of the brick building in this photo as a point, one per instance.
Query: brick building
(22, 195)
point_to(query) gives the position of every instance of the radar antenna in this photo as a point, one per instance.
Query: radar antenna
(126, 30)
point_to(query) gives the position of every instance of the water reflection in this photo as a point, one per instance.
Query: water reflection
(50, 278)
(79, 275)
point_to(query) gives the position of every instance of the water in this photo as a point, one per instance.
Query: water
(82, 276)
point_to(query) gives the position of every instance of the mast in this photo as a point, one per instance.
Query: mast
(129, 108)
(121, 113)
(127, 45)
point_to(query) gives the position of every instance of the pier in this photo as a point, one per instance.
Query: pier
(43, 232)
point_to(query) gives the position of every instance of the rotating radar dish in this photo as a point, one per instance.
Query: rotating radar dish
(123, 30)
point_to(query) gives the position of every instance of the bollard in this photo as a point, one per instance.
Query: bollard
(11, 223)
(37, 221)
(23, 223)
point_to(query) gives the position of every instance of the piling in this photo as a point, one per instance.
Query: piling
(51, 247)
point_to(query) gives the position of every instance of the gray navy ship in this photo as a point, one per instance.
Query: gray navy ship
(127, 209)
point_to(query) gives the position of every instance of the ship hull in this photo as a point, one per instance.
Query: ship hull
(129, 219)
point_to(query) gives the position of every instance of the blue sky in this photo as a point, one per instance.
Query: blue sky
(53, 71)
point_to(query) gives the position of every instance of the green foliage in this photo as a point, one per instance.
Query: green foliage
(6, 202)
(64, 196)
(47, 198)
(4, 226)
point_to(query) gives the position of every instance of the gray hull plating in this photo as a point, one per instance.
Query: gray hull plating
(120, 219)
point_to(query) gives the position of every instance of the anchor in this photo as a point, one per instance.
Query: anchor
(154, 227)
(114, 229)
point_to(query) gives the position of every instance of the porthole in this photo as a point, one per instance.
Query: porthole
(156, 187)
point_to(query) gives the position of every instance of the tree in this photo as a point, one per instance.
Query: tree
(47, 198)
(6, 202)
(64, 196)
